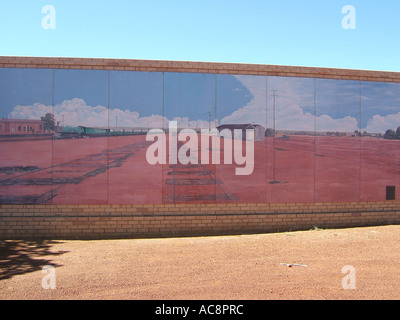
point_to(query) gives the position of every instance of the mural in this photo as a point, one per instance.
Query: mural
(136, 102)
(125, 137)
(337, 164)
(25, 137)
(249, 107)
(380, 137)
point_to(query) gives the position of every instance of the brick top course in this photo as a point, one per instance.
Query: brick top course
(197, 67)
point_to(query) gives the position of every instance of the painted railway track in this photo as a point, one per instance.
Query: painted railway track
(194, 183)
(72, 172)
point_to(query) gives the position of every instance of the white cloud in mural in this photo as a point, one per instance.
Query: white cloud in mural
(289, 116)
(327, 123)
(379, 124)
(76, 112)
(292, 117)
(30, 112)
(288, 113)
(187, 123)
(255, 110)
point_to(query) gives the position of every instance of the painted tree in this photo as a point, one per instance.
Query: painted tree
(269, 132)
(390, 135)
(48, 122)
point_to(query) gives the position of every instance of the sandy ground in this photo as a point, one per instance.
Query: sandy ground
(247, 267)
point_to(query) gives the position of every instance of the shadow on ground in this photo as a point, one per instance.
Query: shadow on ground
(20, 257)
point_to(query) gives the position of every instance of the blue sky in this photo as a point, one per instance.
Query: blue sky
(290, 32)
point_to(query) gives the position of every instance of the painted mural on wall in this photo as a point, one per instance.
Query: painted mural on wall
(85, 137)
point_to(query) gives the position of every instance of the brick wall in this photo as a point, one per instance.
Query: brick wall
(129, 221)
(197, 67)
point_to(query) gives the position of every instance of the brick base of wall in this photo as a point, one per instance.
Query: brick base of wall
(117, 221)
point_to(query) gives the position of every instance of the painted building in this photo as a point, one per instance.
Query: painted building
(257, 133)
(21, 127)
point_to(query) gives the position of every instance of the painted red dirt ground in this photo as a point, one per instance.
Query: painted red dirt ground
(115, 171)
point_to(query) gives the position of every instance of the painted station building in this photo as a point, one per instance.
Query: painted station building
(258, 134)
(21, 126)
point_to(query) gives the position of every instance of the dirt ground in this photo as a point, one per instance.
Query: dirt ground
(250, 267)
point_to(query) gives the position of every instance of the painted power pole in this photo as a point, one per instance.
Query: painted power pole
(274, 95)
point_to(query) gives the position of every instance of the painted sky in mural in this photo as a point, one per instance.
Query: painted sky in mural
(151, 99)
